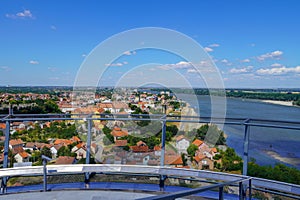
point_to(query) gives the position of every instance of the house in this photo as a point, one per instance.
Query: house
(182, 144)
(75, 139)
(157, 150)
(118, 133)
(65, 160)
(80, 150)
(22, 157)
(204, 149)
(2, 126)
(63, 142)
(31, 146)
(197, 142)
(173, 160)
(204, 162)
(141, 147)
(54, 149)
(120, 143)
(15, 143)
(80, 153)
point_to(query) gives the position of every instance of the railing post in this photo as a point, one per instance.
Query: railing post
(45, 174)
(45, 159)
(88, 151)
(221, 193)
(250, 189)
(241, 191)
(246, 147)
(162, 156)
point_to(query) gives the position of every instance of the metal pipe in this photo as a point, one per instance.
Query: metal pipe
(162, 154)
(88, 151)
(45, 175)
(246, 148)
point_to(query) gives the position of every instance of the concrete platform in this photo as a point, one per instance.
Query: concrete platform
(76, 195)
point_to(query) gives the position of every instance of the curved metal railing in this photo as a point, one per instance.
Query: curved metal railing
(245, 182)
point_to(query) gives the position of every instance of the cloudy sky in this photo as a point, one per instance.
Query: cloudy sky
(254, 44)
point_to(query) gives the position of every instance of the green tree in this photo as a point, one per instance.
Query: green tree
(46, 152)
(63, 151)
(191, 150)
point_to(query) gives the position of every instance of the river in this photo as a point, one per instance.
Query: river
(267, 145)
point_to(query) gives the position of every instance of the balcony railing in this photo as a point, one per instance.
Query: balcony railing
(246, 184)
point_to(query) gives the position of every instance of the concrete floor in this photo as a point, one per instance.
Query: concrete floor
(75, 195)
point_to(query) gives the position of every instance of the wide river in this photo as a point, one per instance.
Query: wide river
(267, 145)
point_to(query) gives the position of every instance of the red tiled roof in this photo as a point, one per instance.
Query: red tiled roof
(214, 150)
(16, 150)
(2, 126)
(23, 154)
(198, 142)
(139, 149)
(120, 143)
(64, 160)
(141, 143)
(117, 132)
(16, 142)
(63, 141)
(81, 145)
(157, 148)
(199, 158)
(173, 160)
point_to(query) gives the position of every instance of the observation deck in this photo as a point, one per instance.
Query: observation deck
(211, 185)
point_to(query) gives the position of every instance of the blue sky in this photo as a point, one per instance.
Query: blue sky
(253, 43)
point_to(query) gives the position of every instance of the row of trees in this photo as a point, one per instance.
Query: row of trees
(38, 106)
(279, 172)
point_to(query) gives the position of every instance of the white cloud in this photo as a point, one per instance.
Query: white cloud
(272, 55)
(83, 55)
(118, 64)
(278, 70)
(246, 60)
(214, 45)
(207, 49)
(129, 53)
(277, 65)
(192, 71)
(241, 70)
(226, 62)
(5, 68)
(34, 62)
(21, 15)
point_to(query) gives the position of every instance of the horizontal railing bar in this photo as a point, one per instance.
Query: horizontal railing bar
(276, 192)
(192, 191)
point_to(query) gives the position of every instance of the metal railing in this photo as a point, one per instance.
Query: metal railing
(284, 189)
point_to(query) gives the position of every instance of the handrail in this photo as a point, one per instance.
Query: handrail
(157, 170)
(151, 170)
(193, 191)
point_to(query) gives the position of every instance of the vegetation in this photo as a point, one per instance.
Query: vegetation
(230, 161)
(191, 150)
(279, 172)
(38, 106)
(37, 134)
(213, 131)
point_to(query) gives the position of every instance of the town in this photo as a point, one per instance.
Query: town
(130, 142)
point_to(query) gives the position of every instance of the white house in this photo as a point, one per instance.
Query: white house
(182, 144)
(22, 157)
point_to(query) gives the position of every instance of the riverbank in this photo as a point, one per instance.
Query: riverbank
(289, 160)
(283, 103)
